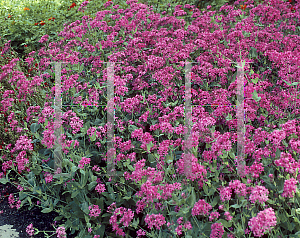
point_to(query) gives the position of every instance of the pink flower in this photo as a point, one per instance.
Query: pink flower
(61, 233)
(76, 124)
(48, 177)
(156, 220)
(140, 232)
(18, 204)
(23, 143)
(262, 222)
(84, 161)
(11, 200)
(255, 169)
(225, 194)
(228, 217)
(30, 229)
(179, 220)
(188, 225)
(94, 210)
(20, 188)
(178, 230)
(44, 39)
(100, 188)
(289, 188)
(259, 193)
(214, 215)
(217, 230)
(201, 208)
(239, 187)
(127, 216)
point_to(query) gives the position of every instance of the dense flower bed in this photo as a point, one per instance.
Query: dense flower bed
(150, 194)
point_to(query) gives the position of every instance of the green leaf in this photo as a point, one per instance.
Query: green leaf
(93, 138)
(287, 82)
(215, 201)
(92, 185)
(75, 193)
(255, 96)
(84, 207)
(191, 200)
(81, 171)
(224, 223)
(29, 200)
(34, 127)
(205, 188)
(278, 153)
(47, 210)
(293, 212)
(135, 222)
(74, 168)
(236, 205)
(132, 128)
(149, 146)
(151, 158)
(291, 226)
(255, 80)
(130, 167)
(169, 159)
(84, 178)
(46, 123)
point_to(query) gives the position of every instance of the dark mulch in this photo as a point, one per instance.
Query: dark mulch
(21, 218)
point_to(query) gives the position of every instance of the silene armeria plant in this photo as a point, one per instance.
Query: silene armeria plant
(150, 195)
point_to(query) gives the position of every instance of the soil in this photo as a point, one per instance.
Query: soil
(21, 218)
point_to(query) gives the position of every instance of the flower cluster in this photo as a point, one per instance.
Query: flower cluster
(30, 229)
(289, 188)
(262, 222)
(156, 220)
(61, 232)
(126, 215)
(83, 162)
(94, 211)
(201, 208)
(217, 230)
(259, 193)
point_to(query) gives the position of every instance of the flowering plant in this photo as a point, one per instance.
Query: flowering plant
(160, 199)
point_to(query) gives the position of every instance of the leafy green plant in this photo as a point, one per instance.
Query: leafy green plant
(160, 198)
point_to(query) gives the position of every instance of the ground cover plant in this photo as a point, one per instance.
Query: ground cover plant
(151, 196)
(25, 22)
